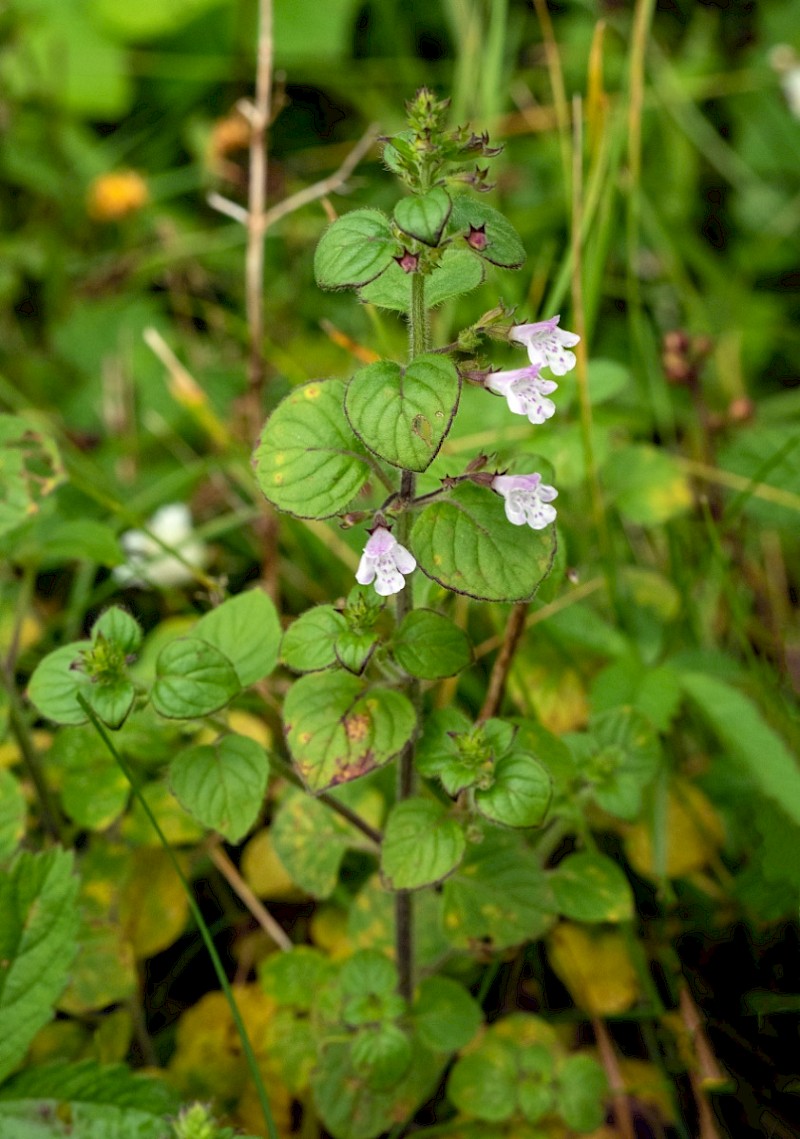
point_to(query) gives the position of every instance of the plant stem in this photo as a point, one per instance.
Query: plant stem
(403, 908)
(247, 1048)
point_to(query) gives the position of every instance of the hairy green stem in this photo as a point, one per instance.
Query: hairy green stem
(404, 909)
(205, 933)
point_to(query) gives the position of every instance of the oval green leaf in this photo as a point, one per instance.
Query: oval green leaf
(193, 679)
(458, 272)
(55, 685)
(247, 630)
(308, 643)
(424, 216)
(503, 245)
(592, 888)
(308, 462)
(428, 645)
(466, 543)
(499, 895)
(422, 844)
(520, 794)
(404, 414)
(222, 784)
(483, 1084)
(445, 1015)
(582, 1089)
(354, 250)
(336, 731)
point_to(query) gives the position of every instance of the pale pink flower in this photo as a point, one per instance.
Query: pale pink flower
(547, 344)
(525, 391)
(527, 499)
(384, 562)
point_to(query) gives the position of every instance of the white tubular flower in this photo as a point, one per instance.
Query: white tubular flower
(527, 499)
(525, 391)
(149, 564)
(384, 562)
(547, 344)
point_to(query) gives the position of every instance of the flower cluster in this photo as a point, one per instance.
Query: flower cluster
(527, 500)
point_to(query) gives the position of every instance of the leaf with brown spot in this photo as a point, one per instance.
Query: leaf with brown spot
(337, 731)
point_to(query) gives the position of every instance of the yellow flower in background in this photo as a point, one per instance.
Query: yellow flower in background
(114, 196)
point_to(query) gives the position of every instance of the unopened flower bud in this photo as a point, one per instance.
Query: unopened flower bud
(409, 262)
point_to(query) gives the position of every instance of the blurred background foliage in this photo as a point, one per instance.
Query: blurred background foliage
(118, 120)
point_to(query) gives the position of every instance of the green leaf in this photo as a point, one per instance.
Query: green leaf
(503, 245)
(536, 1092)
(311, 840)
(247, 630)
(13, 810)
(582, 1088)
(55, 685)
(653, 691)
(499, 894)
(294, 978)
(458, 272)
(112, 700)
(350, 1109)
(466, 543)
(119, 628)
(336, 731)
(353, 650)
(592, 888)
(381, 1056)
(222, 784)
(429, 646)
(355, 249)
(193, 679)
(94, 791)
(422, 844)
(404, 414)
(748, 739)
(483, 1084)
(87, 1082)
(520, 794)
(84, 1100)
(437, 753)
(445, 1016)
(308, 462)
(620, 757)
(38, 923)
(424, 216)
(308, 643)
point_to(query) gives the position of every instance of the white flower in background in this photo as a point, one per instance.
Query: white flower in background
(384, 562)
(527, 499)
(149, 564)
(525, 391)
(547, 344)
(784, 60)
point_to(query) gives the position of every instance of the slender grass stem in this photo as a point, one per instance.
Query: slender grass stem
(205, 933)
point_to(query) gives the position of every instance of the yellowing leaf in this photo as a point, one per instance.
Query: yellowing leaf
(694, 834)
(595, 967)
(104, 971)
(153, 905)
(263, 870)
(208, 1062)
(550, 690)
(329, 932)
